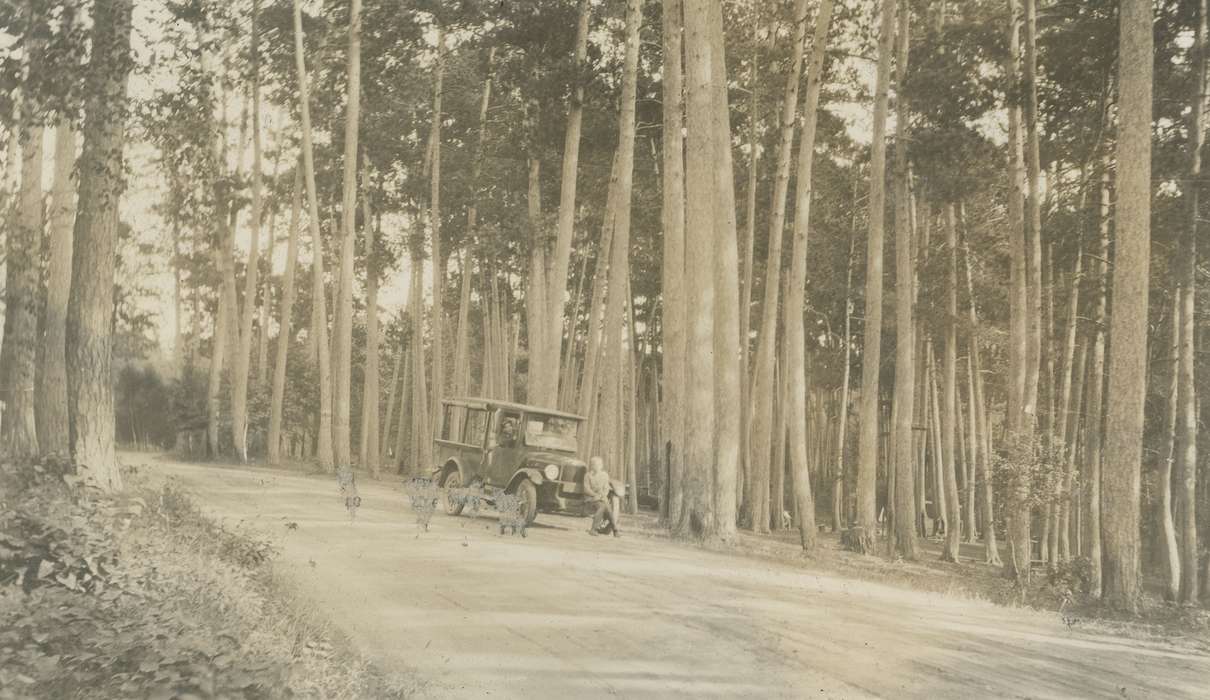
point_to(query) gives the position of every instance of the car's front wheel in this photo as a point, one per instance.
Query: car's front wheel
(529, 500)
(453, 480)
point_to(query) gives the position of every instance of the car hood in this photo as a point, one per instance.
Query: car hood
(551, 457)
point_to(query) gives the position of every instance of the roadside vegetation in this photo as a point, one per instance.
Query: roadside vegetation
(141, 595)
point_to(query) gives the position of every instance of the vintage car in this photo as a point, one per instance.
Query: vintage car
(514, 448)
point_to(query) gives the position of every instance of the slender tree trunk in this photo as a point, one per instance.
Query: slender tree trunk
(343, 333)
(319, 325)
(838, 500)
(697, 505)
(745, 298)
(1019, 409)
(949, 418)
(871, 363)
(560, 258)
(51, 385)
(393, 396)
(726, 306)
(981, 435)
(437, 323)
(905, 330)
(90, 306)
(1186, 381)
(243, 355)
(763, 395)
(796, 378)
(284, 331)
(1127, 351)
(369, 448)
(673, 274)
(609, 418)
(18, 430)
(1166, 533)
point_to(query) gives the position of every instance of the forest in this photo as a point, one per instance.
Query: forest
(883, 270)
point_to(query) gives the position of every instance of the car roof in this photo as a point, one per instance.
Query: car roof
(491, 404)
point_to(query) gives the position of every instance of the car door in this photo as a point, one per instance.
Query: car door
(474, 442)
(504, 447)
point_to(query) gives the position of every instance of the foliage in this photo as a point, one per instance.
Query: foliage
(144, 596)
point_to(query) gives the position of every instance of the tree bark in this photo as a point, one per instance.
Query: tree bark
(284, 331)
(1128, 326)
(871, 363)
(18, 425)
(726, 306)
(796, 378)
(1019, 410)
(342, 347)
(697, 506)
(437, 323)
(905, 330)
(1187, 275)
(369, 447)
(319, 324)
(981, 436)
(561, 255)
(243, 355)
(673, 273)
(949, 418)
(90, 306)
(763, 394)
(51, 382)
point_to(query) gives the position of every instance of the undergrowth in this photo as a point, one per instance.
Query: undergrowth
(142, 595)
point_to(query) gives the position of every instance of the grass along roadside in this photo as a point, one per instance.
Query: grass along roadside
(142, 595)
(1062, 593)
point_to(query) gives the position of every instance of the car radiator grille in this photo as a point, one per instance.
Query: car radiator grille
(573, 473)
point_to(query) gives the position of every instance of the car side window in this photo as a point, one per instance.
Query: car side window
(508, 432)
(476, 427)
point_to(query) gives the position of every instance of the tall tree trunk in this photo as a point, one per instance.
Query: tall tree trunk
(981, 437)
(51, 385)
(90, 306)
(1070, 502)
(796, 377)
(369, 448)
(746, 281)
(949, 418)
(673, 274)
(342, 348)
(1067, 418)
(611, 428)
(1127, 351)
(871, 362)
(1166, 531)
(1187, 274)
(319, 325)
(1096, 397)
(763, 395)
(437, 324)
(384, 453)
(243, 356)
(838, 499)
(905, 331)
(1020, 409)
(561, 255)
(726, 305)
(697, 505)
(284, 331)
(1033, 201)
(18, 429)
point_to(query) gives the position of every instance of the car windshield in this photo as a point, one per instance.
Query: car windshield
(551, 432)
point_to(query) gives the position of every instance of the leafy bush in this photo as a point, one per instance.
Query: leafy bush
(143, 596)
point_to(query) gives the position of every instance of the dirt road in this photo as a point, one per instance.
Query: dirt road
(561, 614)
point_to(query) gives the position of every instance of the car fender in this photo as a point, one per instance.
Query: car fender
(534, 475)
(618, 487)
(440, 471)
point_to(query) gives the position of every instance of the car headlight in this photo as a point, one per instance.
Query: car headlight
(551, 472)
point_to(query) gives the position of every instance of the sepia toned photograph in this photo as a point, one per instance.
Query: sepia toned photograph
(562, 349)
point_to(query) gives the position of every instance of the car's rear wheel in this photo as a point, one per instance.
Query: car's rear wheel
(453, 480)
(529, 500)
